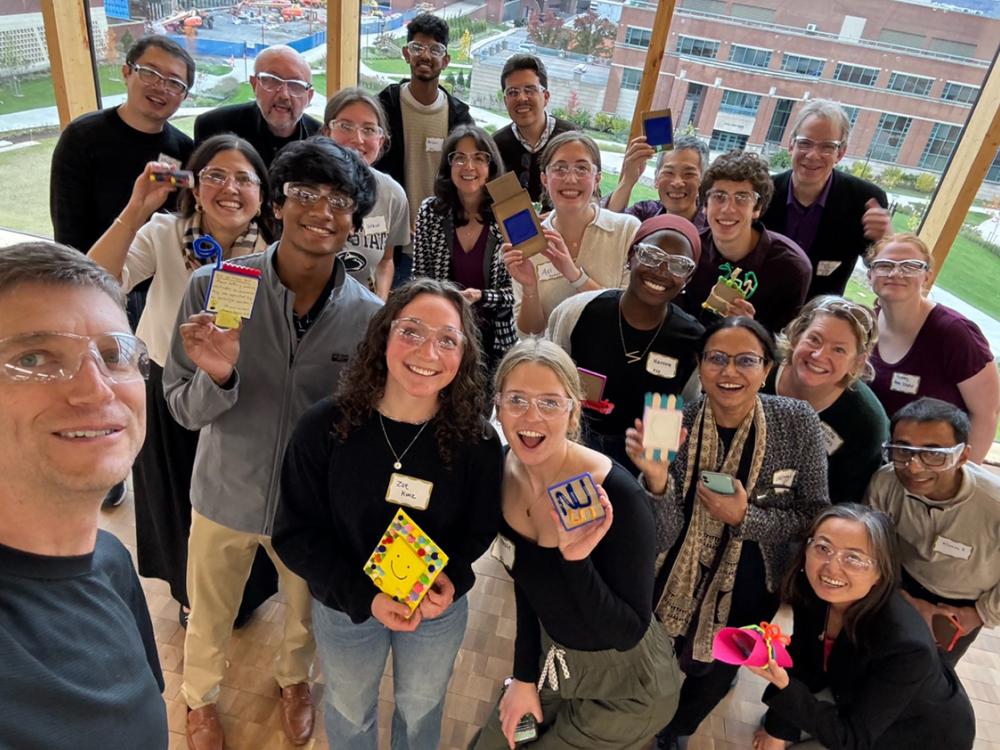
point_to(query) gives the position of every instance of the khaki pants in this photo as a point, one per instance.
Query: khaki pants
(219, 561)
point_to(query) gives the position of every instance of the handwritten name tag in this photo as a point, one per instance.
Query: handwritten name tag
(547, 271)
(904, 383)
(374, 224)
(661, 365)
(502, 549)
(409, 491)
(950, 547)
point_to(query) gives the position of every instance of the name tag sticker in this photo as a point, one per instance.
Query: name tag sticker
(547, 271)
(904, 383)
(434, 144)
(374, 225)
(826, 267)
(231, 294)
(784, 478)
(409, 491)
(832, 440)
(950, 547)
(502, 550)
(661, 365)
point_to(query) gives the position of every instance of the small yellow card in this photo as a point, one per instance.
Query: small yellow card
(405, 562)
(231, 294)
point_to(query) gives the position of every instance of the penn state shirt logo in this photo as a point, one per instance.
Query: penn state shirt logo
(353, 261)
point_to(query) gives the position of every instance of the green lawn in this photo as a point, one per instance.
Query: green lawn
(38, 92)
(399, 66)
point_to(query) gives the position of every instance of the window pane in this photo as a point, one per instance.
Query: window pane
(739, 103)
(910, 84)
(889, 137)
(779, 121)
(687, 45)
(751, 56)
(637, 37)
(958, 92)
(855, 74)
(805, 66)
(939, 146)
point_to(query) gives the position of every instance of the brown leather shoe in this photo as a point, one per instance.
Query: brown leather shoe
(297, 713)
(204, 730)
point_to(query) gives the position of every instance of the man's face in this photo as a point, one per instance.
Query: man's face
(677, 181)
(310, 224)
(934, 483)
(67, 436)
(527, 110)
(278, 102)
(153, 100)
(813, 153)
(425, 65)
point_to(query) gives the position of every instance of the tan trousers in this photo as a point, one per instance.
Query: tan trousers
(219, 561)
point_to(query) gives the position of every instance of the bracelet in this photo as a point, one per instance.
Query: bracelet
(582, 279)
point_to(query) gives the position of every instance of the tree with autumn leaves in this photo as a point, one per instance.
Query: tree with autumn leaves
(590, 34)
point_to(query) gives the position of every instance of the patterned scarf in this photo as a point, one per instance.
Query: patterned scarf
(245, 244)
(701, 580)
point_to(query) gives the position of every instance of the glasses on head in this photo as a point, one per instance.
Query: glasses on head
(306, 195)
(907, 268)
(436, 50)
(515, 92)
(368, 132)
(861, 315)
(826, 148)
(940, 459)
(653, 257)
(152, 77)
(47, 357)
(562, 170)
(220, 177)
(820, 549)
(477, 159)
(271, 83)
(743, 198)
(516, 404)
(414, 332)
(744, 360)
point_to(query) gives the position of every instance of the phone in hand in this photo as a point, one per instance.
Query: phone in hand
(724, 484)
(526, 729)
(947, 630)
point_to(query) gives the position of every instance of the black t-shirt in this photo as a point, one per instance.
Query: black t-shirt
(596, 345)
(78, 662)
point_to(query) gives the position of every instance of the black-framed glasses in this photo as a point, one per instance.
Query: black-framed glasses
(436, 50)
(414, 332)
(51, 356)
(368, 132)
(307, 195)
(153, 77)
(517, 404)
(931, 458)
(220, 178)
(821, 549)
(908, 268)
(742, 198)
(826, 148)
(653, 257)
(744, 360)
(530, 91)
(477, 159)
(272, 83)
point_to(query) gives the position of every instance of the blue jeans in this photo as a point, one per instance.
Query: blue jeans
(353, 660)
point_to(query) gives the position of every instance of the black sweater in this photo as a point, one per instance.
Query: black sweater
(246, 121)
(601, 602)
(333, 510)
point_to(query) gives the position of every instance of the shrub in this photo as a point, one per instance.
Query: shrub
(925, 183)
(862, 170)
(890, 178)
(780, 160)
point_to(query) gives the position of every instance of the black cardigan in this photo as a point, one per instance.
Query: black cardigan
(840, 236)
(892, 691)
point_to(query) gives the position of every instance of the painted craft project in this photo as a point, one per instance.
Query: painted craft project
(576, 501)
(179, 178)
(231, 294)
(659, 129)
(661, 426)
(516, 215)
(593, 391)
(752, 645)
(406, 562)
(730, 288)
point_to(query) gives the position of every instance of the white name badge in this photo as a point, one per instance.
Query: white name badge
(904, 383)
(950, 547)
(434, 144)
(547, 272)
(832, 440)
(374, 225)
(826, 267)
(502, 549)
(409, 491)
(661, 365)
(784, 478)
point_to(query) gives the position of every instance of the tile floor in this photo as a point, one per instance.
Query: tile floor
(249, 705)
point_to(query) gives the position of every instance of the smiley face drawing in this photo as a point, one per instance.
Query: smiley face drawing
(403, 566)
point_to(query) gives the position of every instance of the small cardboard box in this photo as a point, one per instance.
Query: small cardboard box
(516, 216)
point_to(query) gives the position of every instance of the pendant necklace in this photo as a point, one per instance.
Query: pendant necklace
(630, 356)
(399, 458)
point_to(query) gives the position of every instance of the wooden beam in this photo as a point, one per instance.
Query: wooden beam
(69, 55)
(654, 59)
(343, 30)
(966, 170)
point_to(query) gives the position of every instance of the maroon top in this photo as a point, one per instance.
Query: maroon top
(948, 349)
(802, 222)
(468, 268)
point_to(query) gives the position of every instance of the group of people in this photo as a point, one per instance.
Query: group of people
(278, 452)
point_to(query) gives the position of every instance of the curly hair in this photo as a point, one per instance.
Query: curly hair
(739, 166)
(429, 24)
(459, 418)
(445, 192)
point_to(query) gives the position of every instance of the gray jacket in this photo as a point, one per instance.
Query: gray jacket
(244, 428)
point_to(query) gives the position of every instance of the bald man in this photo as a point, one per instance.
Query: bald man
(282, 86)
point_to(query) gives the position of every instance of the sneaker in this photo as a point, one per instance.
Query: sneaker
(115, 497)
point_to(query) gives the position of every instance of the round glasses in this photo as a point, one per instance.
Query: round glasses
(653, 257)
(49, 356)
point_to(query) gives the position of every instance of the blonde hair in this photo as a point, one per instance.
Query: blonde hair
(865, 333)
(539, 351)
(908, 238)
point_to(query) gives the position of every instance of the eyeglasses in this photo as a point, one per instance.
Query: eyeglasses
(152, 77)
(515, 92)
(653, 257)
(826, 148)
(414, 332)
(743, 198)
(907, 268)
(477, 159)
(436, 50)
(744, 360)
(516, 404)
(861, 315)
(221, 177)
(272, 83)
(562, 170)
(368, 132)
(47, 356)
(820, 549)
(932, 458)
(305, 195)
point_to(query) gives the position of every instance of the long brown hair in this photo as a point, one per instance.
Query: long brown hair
(362, 384)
